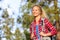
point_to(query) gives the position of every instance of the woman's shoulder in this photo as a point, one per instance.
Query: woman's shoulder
(32, 22)
(45, 19)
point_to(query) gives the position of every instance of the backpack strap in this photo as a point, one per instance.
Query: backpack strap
(43, 24)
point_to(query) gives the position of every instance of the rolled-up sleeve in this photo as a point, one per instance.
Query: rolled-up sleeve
(51, 27)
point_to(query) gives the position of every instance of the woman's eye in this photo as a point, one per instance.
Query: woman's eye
(36, 10)
(32, 10)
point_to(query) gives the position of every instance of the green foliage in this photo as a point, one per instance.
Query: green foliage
(17, 34)
(27, 19)
(9, 21)
(7, 32)
(5, 14)
(32, 1)
(19, 19)
(42, 4)
(29, 5)
(27, 34)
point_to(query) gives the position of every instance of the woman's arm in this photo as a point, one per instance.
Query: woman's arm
(53, 30)
(43, 34)
(30, 31)
(31, 34)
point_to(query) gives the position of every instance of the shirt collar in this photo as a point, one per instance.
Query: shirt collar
(38, 21)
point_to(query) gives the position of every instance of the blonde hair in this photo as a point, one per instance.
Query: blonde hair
(43, 13)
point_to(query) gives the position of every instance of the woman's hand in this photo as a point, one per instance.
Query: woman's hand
(42, 34)
(45, 34)
(32, 35)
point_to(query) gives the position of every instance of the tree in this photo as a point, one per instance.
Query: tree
(18, 34)
(5, 14)
(19, 19)
(7, 32)
(27, 19)
(7, 21)
(27, 34)
(56, 10)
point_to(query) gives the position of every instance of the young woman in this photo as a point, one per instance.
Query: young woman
(36, 26)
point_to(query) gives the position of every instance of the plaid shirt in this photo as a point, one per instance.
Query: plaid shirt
(47, 26)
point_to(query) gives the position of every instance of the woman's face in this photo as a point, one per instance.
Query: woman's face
(36, 11)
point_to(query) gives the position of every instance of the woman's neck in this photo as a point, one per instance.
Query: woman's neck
(37, 19)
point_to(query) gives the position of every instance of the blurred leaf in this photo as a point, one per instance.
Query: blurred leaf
(27, 34)
(27, 19)
(7, 32)
(17, 34)
(19, 19)
(5, 14)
